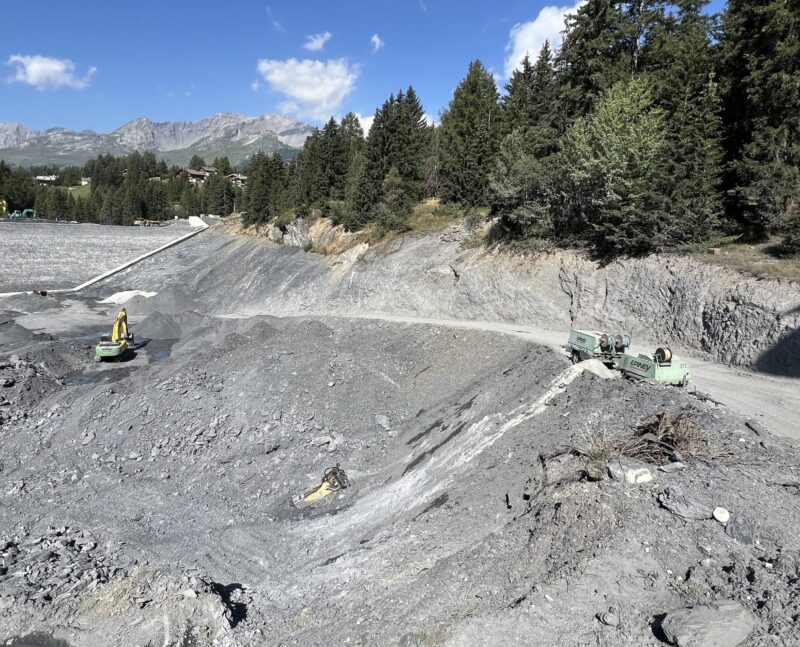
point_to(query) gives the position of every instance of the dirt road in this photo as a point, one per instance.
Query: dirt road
(772, 401)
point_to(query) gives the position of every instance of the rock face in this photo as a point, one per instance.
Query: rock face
(724, 623)
(662, 299)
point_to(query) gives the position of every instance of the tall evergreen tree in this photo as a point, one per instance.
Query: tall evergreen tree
(685, 87)
(761, 63)
(519, 98)
(469, 136)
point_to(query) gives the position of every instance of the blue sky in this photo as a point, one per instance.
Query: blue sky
(95, 65)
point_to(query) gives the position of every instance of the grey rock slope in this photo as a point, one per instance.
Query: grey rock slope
(147, 502)
(237, 136)
(661, 299)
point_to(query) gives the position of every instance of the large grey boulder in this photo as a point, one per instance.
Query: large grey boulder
(723, 623)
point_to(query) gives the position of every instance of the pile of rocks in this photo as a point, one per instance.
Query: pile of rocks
(53, 566)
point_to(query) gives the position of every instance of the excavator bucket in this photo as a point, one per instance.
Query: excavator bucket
(333, 480)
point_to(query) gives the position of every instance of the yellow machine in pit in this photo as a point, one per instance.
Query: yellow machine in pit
(119, 343)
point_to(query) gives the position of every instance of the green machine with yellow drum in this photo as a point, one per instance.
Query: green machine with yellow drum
(662, 366)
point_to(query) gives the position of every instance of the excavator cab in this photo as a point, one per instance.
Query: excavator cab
(119, 343)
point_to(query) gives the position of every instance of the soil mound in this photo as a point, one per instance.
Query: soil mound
(169, 301)
(158, 325)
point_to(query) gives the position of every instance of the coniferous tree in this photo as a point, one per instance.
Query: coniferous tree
(196, 162)
(613, 164)
(223, 165)
(432, 164)
(761, 64)
(394, 208)
(685, 87)
(519, 98)
(469, 138)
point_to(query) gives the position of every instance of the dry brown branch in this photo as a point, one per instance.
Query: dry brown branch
(659, 437)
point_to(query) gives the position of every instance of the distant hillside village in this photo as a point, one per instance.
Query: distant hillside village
(199, 176)
(124, 190)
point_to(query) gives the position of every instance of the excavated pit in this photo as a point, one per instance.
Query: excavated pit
(154, 506)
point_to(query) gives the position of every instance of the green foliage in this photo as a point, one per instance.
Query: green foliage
(654, 125)
(394, 208)
(469, 138)
(196, 162)
(613, 162)
(760, 48)
(266, 194)
(399, 138)
(685, 87)
(791, 240)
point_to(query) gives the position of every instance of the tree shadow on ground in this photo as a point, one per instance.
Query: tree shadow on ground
(784, 357)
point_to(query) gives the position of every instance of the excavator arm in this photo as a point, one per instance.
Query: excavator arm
(120, 329)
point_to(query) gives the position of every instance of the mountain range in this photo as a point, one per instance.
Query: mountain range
(237, 136)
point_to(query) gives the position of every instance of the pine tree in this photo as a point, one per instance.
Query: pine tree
(223, 165)
(394, 208)
(605, 42)
(520, 97)
(411, 132)
(469, 138)
(432, 164)
(685, 87)
(196, 162)
(761, 62)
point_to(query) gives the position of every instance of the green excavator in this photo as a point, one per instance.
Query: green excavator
(119, 343)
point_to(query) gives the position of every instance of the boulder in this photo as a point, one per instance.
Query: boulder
(723, 623)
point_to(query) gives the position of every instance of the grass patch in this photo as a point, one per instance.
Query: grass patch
(763, 260)
(80, 191)
(431, 215)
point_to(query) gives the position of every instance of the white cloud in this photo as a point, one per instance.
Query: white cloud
(528, 37)
(275, 24)
(366, 122)
(428, 119)
(45, 73)
(255, 85)
(313, 88)
(316, 42)
(377, 43)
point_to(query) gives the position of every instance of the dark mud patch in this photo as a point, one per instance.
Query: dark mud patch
(36, 640)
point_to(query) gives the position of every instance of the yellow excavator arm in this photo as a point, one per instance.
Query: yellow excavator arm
(120, 329)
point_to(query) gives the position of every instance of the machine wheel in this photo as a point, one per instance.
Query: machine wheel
(97, 359)
(575, 357)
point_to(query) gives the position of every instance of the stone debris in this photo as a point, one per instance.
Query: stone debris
(721, 514)
(741, 529)
(683, 505)
(638, 476)
(723, 623)
(62, 561)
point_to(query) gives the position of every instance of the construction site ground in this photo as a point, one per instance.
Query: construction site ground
(499, 495)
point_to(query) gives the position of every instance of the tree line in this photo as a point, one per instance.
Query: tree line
(121, 190)
(654, 125)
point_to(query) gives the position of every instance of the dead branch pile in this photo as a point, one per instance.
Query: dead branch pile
(658, 437)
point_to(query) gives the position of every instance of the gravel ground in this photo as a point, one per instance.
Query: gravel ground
(495, 495)
(50, 256)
